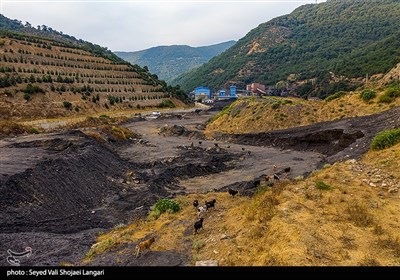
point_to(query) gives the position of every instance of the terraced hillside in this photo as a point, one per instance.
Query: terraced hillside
(46, 78)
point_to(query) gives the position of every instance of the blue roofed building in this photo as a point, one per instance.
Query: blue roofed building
(202, 93)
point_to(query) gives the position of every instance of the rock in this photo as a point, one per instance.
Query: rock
(207, 263)
(384, 185)
(223, 236)
(372, 184)
(351, 161)
(393, 190)
(93, 212)
(215, 252)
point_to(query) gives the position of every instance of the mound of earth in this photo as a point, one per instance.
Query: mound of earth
(346, 138)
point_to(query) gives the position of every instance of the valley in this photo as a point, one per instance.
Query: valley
(61, 189)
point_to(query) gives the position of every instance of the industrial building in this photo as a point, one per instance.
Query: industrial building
(202, 93)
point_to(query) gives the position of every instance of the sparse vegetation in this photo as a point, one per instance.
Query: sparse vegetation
(67, 105)
(386, 139)
(335, 96)
(321, 185)
(360, 215)
(390, 94)
(367, 94)
(163, 205)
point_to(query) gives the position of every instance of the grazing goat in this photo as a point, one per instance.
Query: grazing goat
(143, 246)
(211, 203)
(243, 149)
(201, 209)
(195, 203)
(248, 152)
(200, 142)
(198, 225)
(287, 169)
(267, 178)
(276, 177)
(232, 192)
(257, 183)
(216, 144)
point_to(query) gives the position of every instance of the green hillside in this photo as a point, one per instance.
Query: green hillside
(352, 38)
(168, 62)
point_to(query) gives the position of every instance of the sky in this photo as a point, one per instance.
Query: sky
(132, 25)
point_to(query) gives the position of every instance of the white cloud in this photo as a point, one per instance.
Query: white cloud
(135, 25)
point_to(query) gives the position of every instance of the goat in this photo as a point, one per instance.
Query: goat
(243, 149)
(228, 146)
(248, 152)
(276, 177)
(211, 203)
(232, 192)
(267, 178)
(198, 225)
(257, 183)
(216, 144)
(201, 209)
(143, 246)
(195, 203)
(200, 142)
(287, 169)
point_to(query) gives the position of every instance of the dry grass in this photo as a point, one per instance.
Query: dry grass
(290, 224)
(259, 115)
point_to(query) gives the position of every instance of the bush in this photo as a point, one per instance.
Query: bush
(385, 139)
(32, 89)
(164, 205)
(167, 104)
(27, 96)
(335, 96)
(367, 94)
(390, 94)
(322, 186)
(34, 130)
(67, 104)
(276, 105)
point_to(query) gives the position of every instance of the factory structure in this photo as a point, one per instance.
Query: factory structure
(204, 94)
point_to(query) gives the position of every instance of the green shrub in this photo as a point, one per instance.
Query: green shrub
(367, 94)
(335, 96)
(322, 186)
(67, 104)
(27, 96)
(385, 139)
(390, 94)
(32, 89)
(167, 104)
(276, 105)
(164, 205)
(34, 130)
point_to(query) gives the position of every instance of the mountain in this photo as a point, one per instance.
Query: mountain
(48, 74)
(350, 38)
(168, 62)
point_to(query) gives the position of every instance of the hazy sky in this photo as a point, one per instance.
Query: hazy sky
(136, 25)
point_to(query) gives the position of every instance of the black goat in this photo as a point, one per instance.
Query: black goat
(243, 149)
(211, 203)
(287, 169)
(198, 225)
(216, 144)
(276, 177)
(232, 192)
(200, 142)
(195, 203)
(256, 183)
